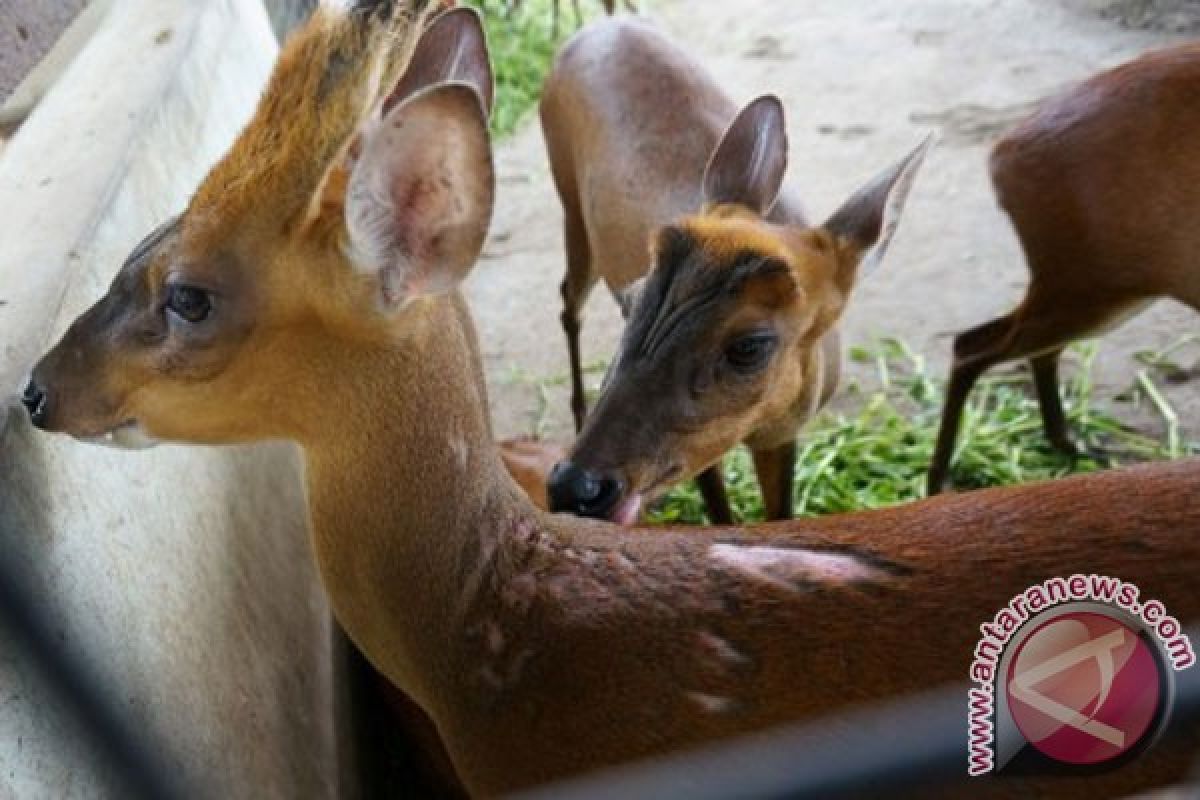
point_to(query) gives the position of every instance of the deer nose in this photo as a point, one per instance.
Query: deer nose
(35, 400)
(576, 490)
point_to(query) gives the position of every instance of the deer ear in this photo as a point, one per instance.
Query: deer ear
(419, 196)
(452, 48)
(748, 165)
(863, 227)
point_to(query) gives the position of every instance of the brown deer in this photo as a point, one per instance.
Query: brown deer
(308, 292)
(1102, 184)
(734, 337)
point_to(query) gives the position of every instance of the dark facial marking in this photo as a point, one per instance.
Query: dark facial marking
(150, 243)
(682, 290)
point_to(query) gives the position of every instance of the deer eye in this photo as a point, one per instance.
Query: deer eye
(189, 303)
(751, 352)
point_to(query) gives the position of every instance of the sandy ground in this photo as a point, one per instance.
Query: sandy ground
(862, 82)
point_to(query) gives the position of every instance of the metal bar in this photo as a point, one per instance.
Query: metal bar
(125, 750)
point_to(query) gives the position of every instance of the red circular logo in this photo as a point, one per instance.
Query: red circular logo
(1084, 688)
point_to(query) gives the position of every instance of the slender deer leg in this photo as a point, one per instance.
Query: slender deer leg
(1044, 322)
(975, 351)
(554, 23)
(962, 378)
(712, 487)
(1054, 421)
(775, 469)
(576, 286)
(571, 326)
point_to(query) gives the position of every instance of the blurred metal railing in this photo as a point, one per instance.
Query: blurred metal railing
(132, 755)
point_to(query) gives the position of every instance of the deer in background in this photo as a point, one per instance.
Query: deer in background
(1102, 184)
(309, 292)
(733, 337)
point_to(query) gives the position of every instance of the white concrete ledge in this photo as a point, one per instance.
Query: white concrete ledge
(183, 574)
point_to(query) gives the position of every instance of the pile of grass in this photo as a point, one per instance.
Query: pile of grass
(878, 455)
(522, 44)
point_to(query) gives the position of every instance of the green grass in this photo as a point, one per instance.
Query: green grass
(522, 45)
(878, 454)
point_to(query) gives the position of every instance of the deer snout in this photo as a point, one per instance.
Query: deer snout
(37, 402)
(576, 490)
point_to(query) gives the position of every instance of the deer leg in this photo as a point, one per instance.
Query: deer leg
(775, 469)
(712, 488)
(1048, 321)
(1044, 323)
(576, 286)
(974, 352)
(1054, 421)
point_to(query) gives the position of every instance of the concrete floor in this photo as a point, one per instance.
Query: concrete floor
(862, 82)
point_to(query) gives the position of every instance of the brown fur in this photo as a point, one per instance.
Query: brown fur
(329, 75)
(544, 645)
(728, 233)
(529, 461)
(1102, 185)
(645, 146)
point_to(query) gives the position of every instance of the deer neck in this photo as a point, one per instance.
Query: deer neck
(405, 490)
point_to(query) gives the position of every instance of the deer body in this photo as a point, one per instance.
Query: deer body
(1102, 185)
(630, 123)
(545, 645)
(542, 645)
(645, 147)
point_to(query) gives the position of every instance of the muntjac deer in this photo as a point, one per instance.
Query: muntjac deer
(309, 292)
(1102, 184)
(734, 336)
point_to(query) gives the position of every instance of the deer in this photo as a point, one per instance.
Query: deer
(309, 291)
(731, 318)
(1101, 189)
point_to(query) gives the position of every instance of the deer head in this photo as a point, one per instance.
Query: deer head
(366, 166)
(722, 337)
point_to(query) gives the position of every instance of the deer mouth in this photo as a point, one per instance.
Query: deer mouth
(627, 509)
(129, 435)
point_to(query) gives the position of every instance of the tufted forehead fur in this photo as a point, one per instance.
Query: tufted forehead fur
(726, 232)
(328, 77)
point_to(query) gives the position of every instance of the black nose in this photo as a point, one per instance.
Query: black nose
(34, 400)
(574, 489)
